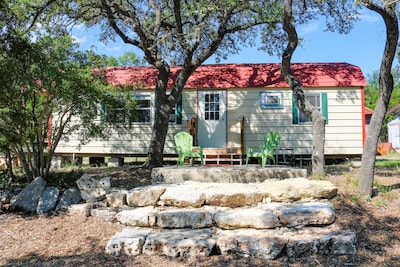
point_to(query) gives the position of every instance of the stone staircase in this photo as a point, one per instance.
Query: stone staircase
(266, 219)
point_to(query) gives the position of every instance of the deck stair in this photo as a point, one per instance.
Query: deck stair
(286, 217)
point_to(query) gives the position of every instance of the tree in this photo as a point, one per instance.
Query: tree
(318, 151)
(387, 10)
(175, 32)
(49, 92)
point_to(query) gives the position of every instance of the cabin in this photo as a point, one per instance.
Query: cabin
(228, 107)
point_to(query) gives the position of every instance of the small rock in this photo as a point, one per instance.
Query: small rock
(82, 209)
(69, 197)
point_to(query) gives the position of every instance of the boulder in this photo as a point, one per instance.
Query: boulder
(143, 216)
(184, 218)
(180, 243)
(296, 189)
(145, 195)
(129, 241)
(302, 214)
(310, 241)
(69, 197)
(263, 244)
(246, 218)
(93, 189)
(185, 195)
(48, 199)
(28, 198)
(231, 194)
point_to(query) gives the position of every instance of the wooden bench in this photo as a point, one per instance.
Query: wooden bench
(222, 156)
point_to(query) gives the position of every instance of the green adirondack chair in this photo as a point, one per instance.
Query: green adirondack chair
(184, 145)
(267, 151)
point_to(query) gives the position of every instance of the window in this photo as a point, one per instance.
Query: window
(211, 106)
(142, 113)
(143, 109)
(175, 117)
(122, 115)
(318, 100)
(271, 100)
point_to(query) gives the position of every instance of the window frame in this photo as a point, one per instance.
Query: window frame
(323, 108)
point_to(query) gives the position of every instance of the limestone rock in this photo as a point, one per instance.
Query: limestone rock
(295, 189)
(180, 243)
(236, 174)
(184, 218)
(82, 209)
(311, 241)
(145, 196)
(246, 218)
(48, 199)
(185, 195)
(143, 216)
(263, 244)
(69, 197)
(93, 189)
(28, 198)
(232, 195)
(302, 214)
(129, 241)
(117, 198)
(104, 214)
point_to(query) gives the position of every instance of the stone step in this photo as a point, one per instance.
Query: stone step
(263, 216)
(197, 194)
(224, 174)
(264, 244)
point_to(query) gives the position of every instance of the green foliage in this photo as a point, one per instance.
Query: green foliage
(372, 94)
(49, 91)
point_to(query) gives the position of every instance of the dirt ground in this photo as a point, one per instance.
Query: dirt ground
(66, 240)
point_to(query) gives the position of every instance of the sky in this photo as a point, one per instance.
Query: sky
(362, 47)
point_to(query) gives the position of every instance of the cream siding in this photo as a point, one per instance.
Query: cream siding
(343, 131)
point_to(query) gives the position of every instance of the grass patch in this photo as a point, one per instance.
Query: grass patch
(388, 163)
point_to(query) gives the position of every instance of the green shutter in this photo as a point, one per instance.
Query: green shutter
(295, 111)
(179, 111)
(324, 98)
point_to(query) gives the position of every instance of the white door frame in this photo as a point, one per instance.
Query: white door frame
(211, 129)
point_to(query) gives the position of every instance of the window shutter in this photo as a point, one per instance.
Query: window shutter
(295, 111)
(179, 111)
(324, 100)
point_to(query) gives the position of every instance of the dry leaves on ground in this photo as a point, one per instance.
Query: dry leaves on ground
(68, 240)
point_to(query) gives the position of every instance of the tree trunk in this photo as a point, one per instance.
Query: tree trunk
(318, 151)
(388, 13)
(9, 164)
(160, 128)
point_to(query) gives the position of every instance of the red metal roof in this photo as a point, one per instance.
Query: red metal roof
(368, 111)
(245, 75)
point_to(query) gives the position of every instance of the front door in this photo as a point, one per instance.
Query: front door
(212, 118)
